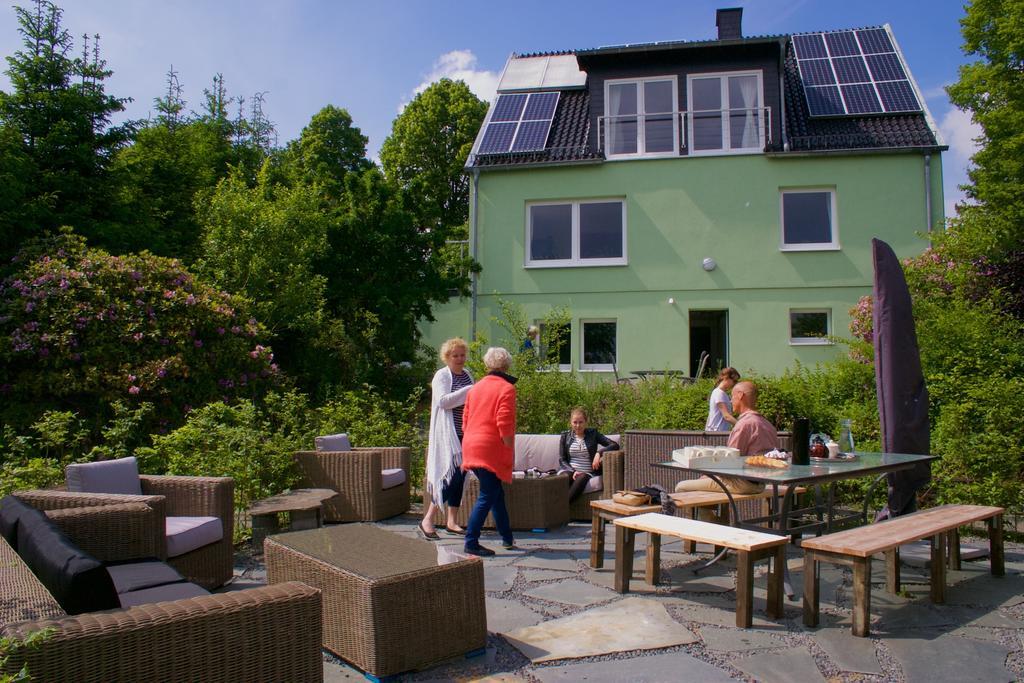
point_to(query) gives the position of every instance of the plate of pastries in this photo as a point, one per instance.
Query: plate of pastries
(765, 462)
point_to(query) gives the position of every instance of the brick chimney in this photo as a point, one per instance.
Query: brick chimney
(729, 23)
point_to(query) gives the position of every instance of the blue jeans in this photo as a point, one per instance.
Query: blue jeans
(491, 499)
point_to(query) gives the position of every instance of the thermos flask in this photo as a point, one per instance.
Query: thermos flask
(801, 441)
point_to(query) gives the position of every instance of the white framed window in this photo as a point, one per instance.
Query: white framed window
(640, 116)
(808, 219)
(726, 113)
(598, 345)
(576, 233)
(810, 326)
(556, 345)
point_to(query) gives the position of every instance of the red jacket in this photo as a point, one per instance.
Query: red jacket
(489, 414)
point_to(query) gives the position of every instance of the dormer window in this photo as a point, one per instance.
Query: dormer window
(640, 117)
(726, 114)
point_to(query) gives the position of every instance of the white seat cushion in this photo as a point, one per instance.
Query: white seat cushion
(185, 534)
(537, 450)
(392, 477)
(105, 476)
(333, 443)
(595, 484)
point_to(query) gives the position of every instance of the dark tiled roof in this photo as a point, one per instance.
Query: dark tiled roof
(567, 141)
(806, 134)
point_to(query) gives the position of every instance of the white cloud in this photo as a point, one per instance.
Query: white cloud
(459, 65)
(961, 135)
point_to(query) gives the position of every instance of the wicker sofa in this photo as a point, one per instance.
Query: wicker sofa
(543, 502)
(269, 633)
(358, 477)
(168, 496)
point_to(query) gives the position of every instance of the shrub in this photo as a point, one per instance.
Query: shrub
(81, 329)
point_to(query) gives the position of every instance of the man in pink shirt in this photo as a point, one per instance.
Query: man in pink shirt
(752, 435)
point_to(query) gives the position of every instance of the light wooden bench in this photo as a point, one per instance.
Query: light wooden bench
(855, 547)
(750, 546)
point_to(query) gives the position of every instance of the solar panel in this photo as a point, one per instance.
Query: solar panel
(508, 107)
(861, 99)
(824, 101)
(519, 123)
(817, 72)
(874, 41)
(842, 43)
(866, 66)
(810, 46)
(851, 70)
(886, 67)
(898, 96)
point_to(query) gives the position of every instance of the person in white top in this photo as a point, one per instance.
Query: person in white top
(720, 417)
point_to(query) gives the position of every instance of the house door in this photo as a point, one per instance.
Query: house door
(709, 333)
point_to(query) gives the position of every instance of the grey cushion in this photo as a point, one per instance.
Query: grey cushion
(105, 476)
(333, 442)
(392, 477)
(185, 534)
(11, 510)
(78, 581)
(170, 591)
(139, 574)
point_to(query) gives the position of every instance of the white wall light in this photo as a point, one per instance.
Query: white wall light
(709, 264)
(671, 301)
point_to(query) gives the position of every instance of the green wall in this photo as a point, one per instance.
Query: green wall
(679, 211)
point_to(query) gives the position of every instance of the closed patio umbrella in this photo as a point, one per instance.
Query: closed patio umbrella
(902, 394)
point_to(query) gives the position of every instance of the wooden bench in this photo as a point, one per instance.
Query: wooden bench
(750, 546)
(855, 547)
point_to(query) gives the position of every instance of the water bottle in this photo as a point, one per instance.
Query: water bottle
(845, 437)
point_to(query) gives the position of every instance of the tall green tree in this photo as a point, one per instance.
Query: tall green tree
(328, 148)
(992, 90)
(426, 153)
(61, 114)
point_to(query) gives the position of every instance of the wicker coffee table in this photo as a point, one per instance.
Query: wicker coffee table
(391, 604)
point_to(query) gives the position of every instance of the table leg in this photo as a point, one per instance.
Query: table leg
(596, 539)
(653, 558)
(995, 545)
(892, 571)
(303, 519)
(954, 550)
(263, 526)
(810, 589)
(861, 596)
(744, 589)
(938, 574)
(691, 546)
(624, 538)
(776, 562)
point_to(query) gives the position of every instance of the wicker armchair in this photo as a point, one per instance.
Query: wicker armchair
(357, 477)
(270, 633)
(168, 496)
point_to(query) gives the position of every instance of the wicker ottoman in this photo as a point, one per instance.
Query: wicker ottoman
(390, 603)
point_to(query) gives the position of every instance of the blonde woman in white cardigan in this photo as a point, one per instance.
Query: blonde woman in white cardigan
(445, 478)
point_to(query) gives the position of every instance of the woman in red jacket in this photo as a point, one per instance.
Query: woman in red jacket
(488, 447)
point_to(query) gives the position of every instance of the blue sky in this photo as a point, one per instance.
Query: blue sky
(372, 57)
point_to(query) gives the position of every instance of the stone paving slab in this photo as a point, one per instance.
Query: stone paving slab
(948, 658)
(637, 586)
(462, 668)
(571, 592)
(499, 578)
(792, 665)
(919, 554)
(665, 668)
(718, 611)
(547, 559)
(336, 671)
(508, 615)
(711, 580)
(1006, 591)
(737, 640)
(629, 624)
(533, 575)
(989, 634)
(848, 652)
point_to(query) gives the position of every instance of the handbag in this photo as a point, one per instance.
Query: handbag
(631, 498)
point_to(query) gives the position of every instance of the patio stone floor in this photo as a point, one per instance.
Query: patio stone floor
(552, 618)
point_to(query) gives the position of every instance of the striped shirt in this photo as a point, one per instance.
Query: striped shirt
(579, 456)
(458, 382)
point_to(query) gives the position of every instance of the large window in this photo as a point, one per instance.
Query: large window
(808, 220)
(590, 233)
(810, 326)
(726, 113)
(598, 340)
(640, 117)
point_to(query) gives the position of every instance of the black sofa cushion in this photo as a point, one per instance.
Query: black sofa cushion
(11, 510)
(134, 575)
(164, 593)
(78, 581)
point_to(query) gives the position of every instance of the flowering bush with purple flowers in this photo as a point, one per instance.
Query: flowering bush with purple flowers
(81, 329)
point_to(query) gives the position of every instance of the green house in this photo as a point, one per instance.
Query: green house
(704, 198)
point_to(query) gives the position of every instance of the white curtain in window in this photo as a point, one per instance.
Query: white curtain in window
(613, 126)
(748, 91)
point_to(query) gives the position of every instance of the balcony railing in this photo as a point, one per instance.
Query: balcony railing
(704, 131)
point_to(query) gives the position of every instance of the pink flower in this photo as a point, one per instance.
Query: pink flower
(168, 294)
(198, 343)
(133, 390)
